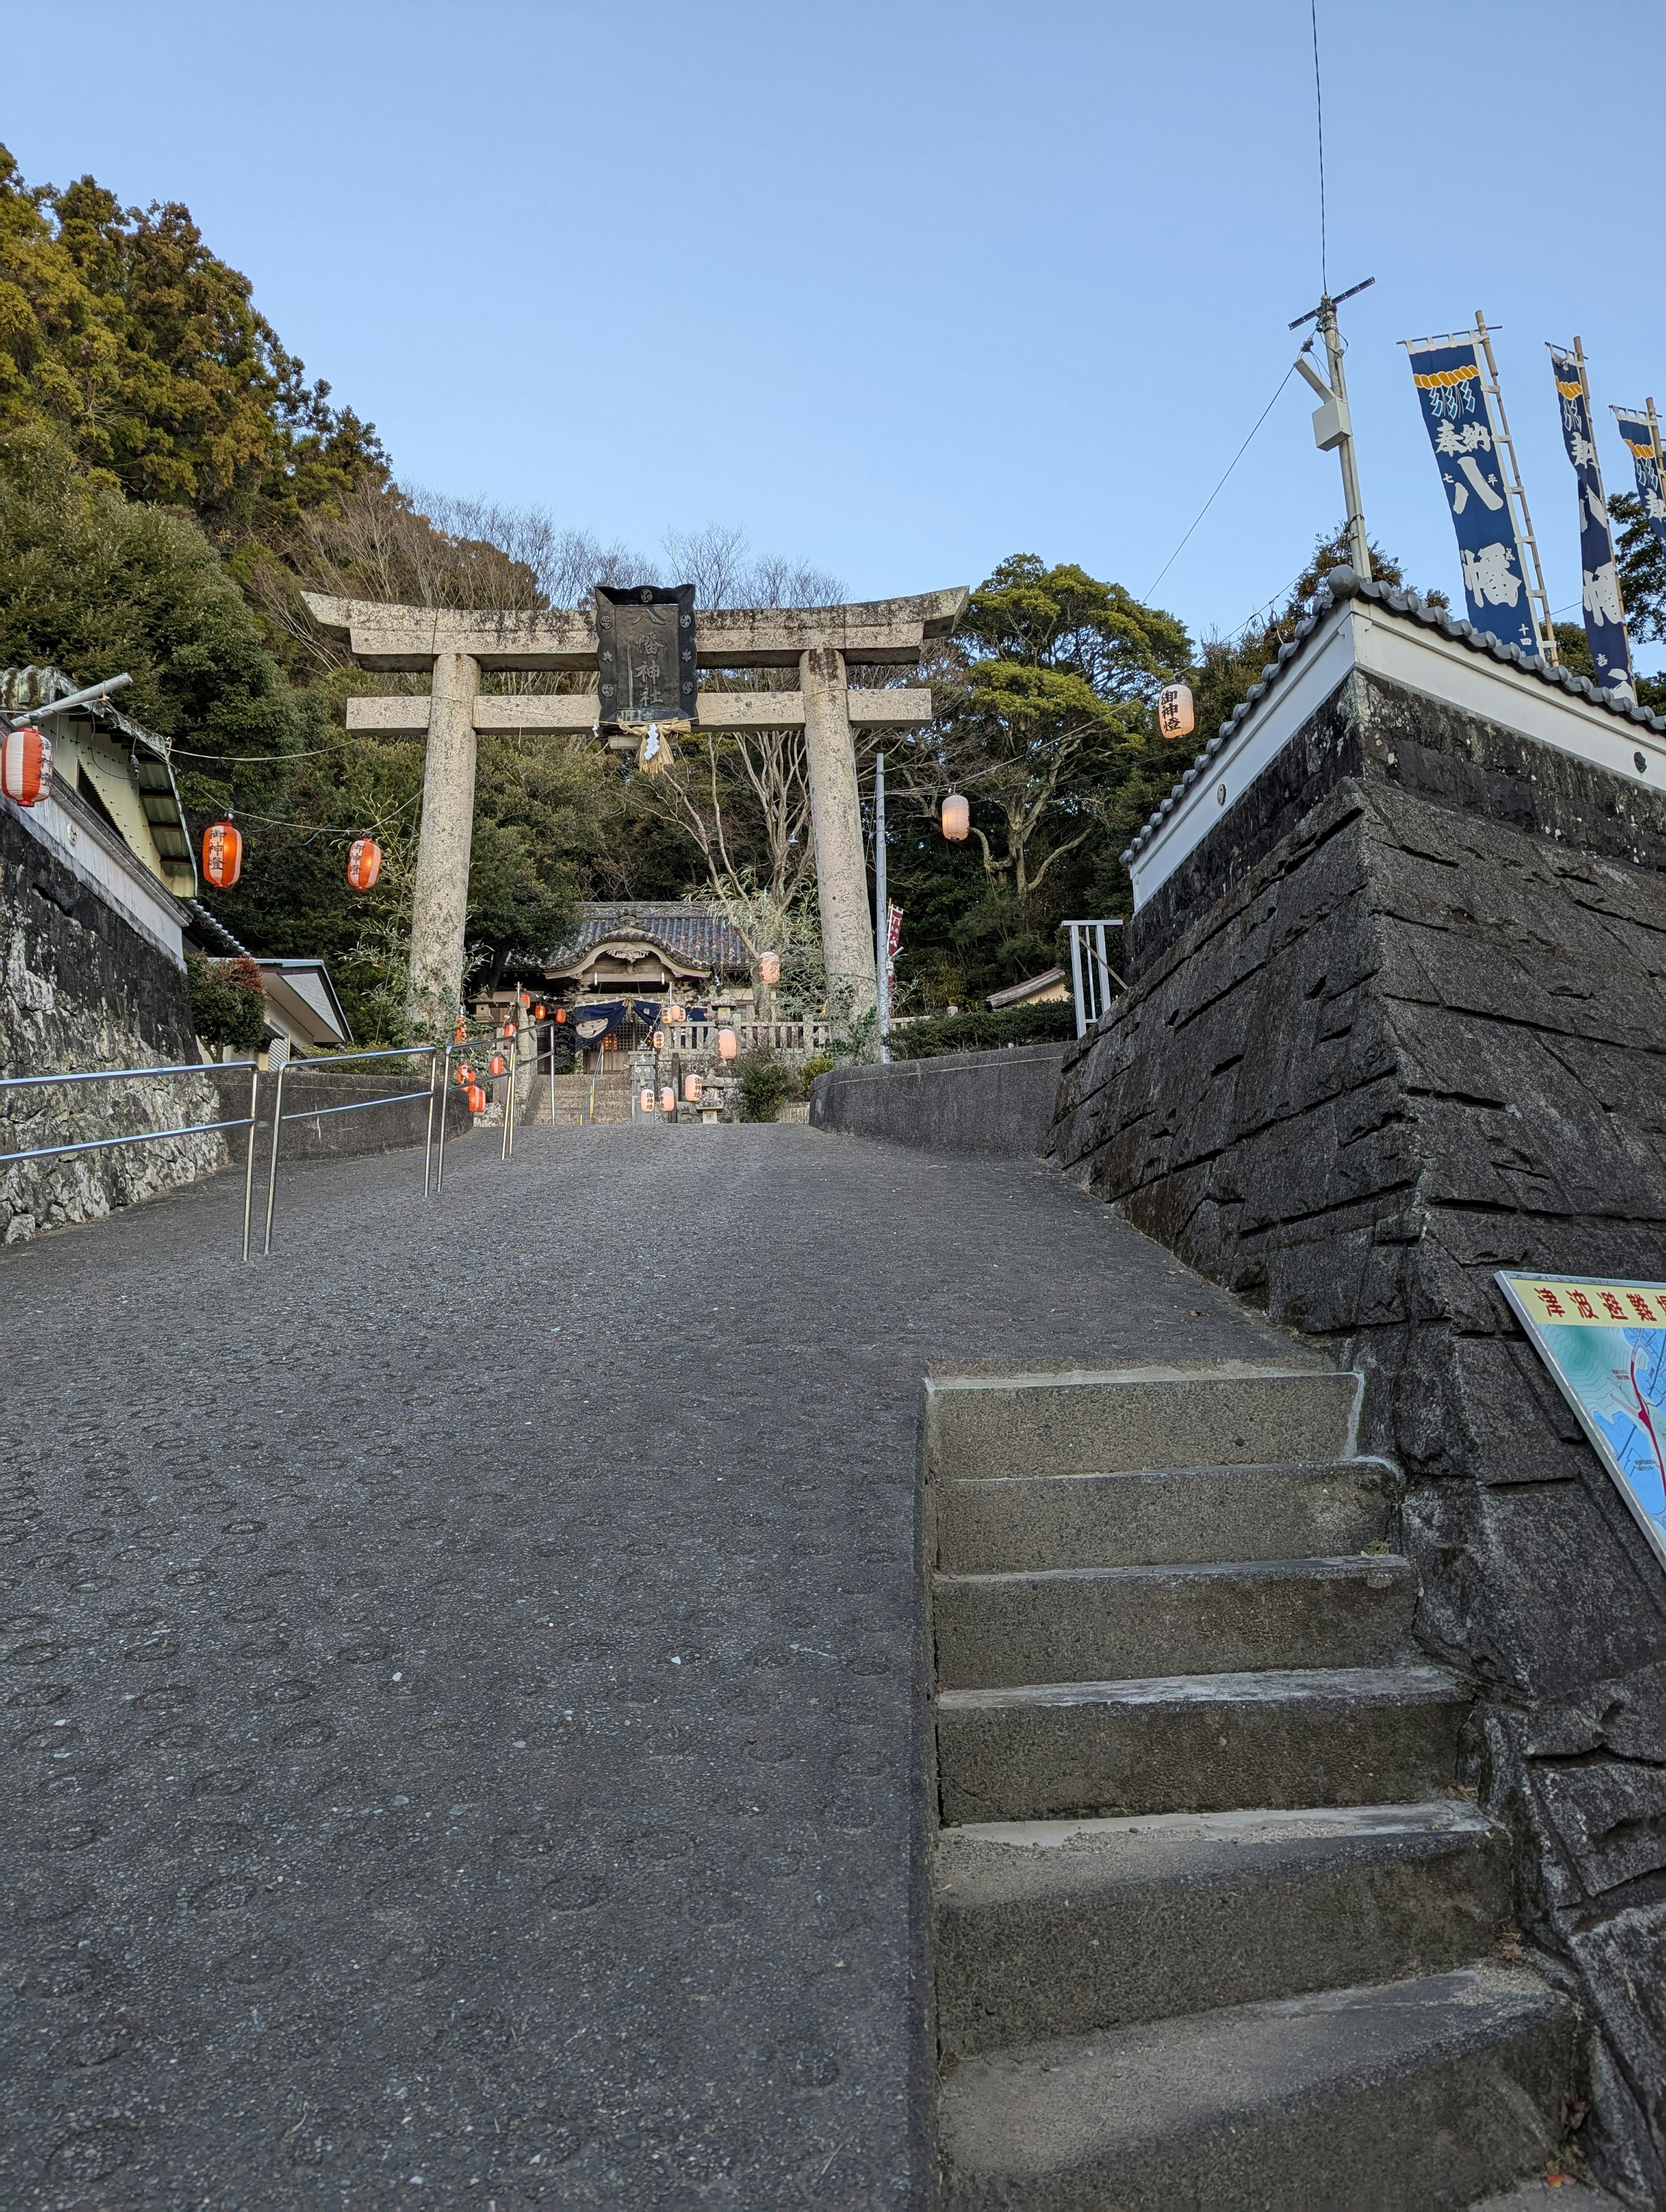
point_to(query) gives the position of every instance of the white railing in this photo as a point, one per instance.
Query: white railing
(1092, 975)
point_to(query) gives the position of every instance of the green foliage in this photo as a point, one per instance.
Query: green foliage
(1642, 569)
(765, 1084)
(121, 330)
(824, 1064)
(984, 1032)
(228, 1005)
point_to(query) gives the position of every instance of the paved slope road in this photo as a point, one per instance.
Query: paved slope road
(458, 1708)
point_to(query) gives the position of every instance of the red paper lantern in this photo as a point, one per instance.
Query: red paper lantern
(465, 1076)
(364, 863)
(538, 1012)
(560, 1013)
(477, 1099)
(26, 765)
(222, 854)
(497, 1063)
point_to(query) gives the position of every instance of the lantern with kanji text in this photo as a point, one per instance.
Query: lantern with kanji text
(222, 854)
(1175, 714)
(667, 1100)
(26, 765)
(693, 1088)
(645, 1100)
(364, 864)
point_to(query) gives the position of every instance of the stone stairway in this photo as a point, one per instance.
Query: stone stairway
(1212, 1926)
(579, 1099)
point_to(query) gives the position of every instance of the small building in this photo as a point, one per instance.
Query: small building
(1038, 990)
(114, 815)
(303, 1014)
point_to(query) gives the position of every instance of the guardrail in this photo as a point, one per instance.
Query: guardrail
(145, 1136)
(336, 1060)
(1090, 973)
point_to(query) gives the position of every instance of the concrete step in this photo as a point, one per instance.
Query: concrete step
(982, 1426)
(1415, 2097)
(1112, 1624)
(1564, 2194)
(1203, 1743)
(1163, 1517)
(1061, 1928)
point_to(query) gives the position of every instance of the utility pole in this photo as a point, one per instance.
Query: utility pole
(881, 910)
(1333, 427)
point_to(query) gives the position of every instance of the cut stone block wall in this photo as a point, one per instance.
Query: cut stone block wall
(992, 1103)
(1400, 1021)
(81, 988)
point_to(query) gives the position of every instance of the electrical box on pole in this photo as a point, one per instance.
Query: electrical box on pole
(1332, 427)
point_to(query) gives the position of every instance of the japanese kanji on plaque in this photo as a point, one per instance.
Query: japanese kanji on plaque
(646, 655)
(1605, 1343)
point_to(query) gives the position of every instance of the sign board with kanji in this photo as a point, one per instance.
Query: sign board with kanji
(645, 655)
(1605, 1343)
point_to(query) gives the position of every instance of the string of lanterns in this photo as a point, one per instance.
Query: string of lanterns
(222, 854)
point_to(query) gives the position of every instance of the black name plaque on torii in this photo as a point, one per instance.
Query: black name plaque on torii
(645, 654)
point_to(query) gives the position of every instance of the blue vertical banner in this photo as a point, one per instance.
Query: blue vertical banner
(1642, 436)
(1452, 393)
(1605, 615)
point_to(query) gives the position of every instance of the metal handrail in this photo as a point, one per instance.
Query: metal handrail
(428, 1052)
(147, 1136)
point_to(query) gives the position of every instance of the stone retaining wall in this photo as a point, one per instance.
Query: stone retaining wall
(81, 988)
(987, 1102)
(336, 1136)
(1409, 1029)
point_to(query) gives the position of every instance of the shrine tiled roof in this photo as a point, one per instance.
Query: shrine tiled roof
(1342, 583)
(691, 932)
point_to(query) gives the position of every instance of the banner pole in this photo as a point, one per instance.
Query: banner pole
(1514, 487)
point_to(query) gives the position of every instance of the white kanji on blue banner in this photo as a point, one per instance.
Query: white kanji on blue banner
(1452, 395)
(1605, 614)
(1642, 436)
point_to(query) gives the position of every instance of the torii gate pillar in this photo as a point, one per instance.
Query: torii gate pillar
(836, 811)
(441, 893)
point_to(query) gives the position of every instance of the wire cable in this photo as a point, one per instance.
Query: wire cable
(1216, 493)
(1319, 108)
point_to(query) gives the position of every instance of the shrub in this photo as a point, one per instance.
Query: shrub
(227, 1005)
(1044, 1023)
(811, 1069)
(764, 1083)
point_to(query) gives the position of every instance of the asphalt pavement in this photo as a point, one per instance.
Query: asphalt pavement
(460, 1673)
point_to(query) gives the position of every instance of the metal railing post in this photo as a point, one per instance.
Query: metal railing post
(445, 1108)
(428, 1141)
(248, 1164)
(1076, 977)
(271, 1173)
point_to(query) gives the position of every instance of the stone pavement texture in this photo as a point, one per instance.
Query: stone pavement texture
(461, 1674)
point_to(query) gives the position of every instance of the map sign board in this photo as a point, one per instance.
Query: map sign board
(1605, 1343)
(645, 655)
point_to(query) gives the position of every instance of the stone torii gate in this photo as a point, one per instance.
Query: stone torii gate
(456, 645)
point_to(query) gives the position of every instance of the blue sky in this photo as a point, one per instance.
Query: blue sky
(901, 288)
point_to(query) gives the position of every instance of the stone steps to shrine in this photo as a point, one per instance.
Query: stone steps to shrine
(578, 1100)
(1212, 1922)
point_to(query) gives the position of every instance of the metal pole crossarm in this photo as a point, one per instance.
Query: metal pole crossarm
(89, 697)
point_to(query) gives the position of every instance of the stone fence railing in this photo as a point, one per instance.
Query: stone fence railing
(805, 1040)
